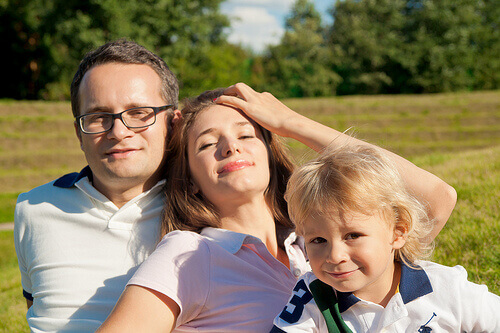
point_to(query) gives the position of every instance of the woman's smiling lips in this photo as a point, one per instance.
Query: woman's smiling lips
(234, 166)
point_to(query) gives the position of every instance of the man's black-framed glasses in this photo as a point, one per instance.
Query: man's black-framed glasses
(100, 122)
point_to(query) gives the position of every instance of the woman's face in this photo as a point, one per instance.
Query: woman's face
(228, 158)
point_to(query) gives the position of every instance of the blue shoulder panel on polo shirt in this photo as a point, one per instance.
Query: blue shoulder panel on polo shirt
(70, 179)
(414, 283)
(346, 300)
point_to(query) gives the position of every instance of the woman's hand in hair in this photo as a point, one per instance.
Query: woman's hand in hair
(270, 113)
(263, 108)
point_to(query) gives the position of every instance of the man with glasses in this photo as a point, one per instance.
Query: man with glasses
(81, 237)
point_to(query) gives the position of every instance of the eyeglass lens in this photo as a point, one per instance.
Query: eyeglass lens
(133, 118)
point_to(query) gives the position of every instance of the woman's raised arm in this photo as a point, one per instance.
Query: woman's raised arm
(141, 309)
(276, 117)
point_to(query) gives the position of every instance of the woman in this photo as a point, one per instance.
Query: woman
(232, 266)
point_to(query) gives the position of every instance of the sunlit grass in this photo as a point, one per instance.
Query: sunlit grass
(12, 304)
(455, 136)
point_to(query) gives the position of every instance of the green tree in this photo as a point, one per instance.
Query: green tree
(486, 36)
(181, 31)
(443, 44)
(366, 39)
(23, 49)
(404, 46)
(300, 65)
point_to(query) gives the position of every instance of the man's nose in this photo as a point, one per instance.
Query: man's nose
(119, 131)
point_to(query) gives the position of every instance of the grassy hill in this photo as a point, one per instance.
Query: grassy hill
(455, 136)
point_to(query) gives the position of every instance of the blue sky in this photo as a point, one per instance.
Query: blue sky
(257, 23)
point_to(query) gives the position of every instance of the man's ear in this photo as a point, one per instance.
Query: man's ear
(176, 117)
(173, 118)
(78, 134)
(400, 234)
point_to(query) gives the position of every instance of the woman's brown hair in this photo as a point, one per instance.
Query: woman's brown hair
(185, 210)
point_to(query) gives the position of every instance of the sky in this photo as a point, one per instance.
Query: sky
(257, 23)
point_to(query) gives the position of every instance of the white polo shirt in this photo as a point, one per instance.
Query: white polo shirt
(223, 281)
(77, 250)
(433, 299)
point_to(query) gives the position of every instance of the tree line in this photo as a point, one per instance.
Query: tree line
(371, 46)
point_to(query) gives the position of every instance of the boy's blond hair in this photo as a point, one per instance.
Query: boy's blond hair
(360, 179)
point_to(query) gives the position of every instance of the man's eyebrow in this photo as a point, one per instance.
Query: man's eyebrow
(97, 108)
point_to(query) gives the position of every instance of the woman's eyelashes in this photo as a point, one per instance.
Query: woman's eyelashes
(211, 143)
(206, 145)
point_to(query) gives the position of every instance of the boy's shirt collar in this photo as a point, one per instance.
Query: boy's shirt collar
(414, 283)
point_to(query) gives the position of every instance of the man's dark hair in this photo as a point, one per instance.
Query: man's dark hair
(126, 52)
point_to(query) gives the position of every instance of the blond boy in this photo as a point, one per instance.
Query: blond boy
(365, 236)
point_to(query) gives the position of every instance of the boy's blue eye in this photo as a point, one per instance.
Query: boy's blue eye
(318, 240)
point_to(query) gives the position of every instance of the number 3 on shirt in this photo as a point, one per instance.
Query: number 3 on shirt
(298, 301)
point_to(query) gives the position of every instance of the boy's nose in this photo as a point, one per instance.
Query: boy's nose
(338, 254)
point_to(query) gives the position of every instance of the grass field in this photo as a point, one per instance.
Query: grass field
(455, 136)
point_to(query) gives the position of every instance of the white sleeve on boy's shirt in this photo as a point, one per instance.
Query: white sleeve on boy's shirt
(301, 314)
(479, 308)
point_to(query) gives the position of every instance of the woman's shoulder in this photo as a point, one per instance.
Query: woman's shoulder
(181, 235)
(178, 252)
(180, 241)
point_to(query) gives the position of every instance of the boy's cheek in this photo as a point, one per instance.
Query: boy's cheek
(314, 257)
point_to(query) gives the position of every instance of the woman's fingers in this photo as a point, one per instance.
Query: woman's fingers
(241, 90)
(263, 108)
(234, 101)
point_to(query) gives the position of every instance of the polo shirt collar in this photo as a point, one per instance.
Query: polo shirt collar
(414, 283)
(232, 241)
(229, 240)
(71, 179)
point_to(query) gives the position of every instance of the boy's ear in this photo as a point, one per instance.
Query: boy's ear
(400, 234)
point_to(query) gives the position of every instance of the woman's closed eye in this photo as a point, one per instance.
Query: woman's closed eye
(246, 136)
(206, 145)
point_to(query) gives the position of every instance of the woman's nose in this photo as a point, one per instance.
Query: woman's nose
(231, 147)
